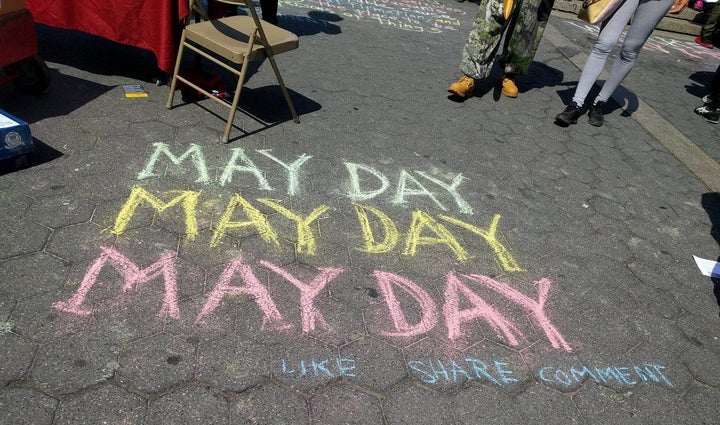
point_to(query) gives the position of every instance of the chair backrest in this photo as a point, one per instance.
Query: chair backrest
(197, 7)
(244, 3)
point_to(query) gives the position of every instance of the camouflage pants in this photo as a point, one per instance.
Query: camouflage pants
(524, 28)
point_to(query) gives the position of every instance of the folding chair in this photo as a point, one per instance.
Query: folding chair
(231, 42)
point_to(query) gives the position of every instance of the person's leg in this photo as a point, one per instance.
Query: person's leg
(711, 109)
(525, 34)
(484, 40)
(481, 47)
(706, 32)
(647, 16)
(522, 39)
(217, 10)
(715, 87)
(610, 32)
(608, 37)
(269, 10)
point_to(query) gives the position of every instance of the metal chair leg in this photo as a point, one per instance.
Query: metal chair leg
(284, 90)
(173, 83)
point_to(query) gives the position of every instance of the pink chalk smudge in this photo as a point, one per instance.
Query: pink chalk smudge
(253, 287)
(536, 308)
(454, 317)
(428, 308)
(308, 292)
(132, 275)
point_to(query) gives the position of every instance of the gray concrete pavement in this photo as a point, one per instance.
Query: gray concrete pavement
(396, 257)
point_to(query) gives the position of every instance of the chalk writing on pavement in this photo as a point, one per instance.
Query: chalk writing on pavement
(458, 372)
(408, 15)
(441, 221)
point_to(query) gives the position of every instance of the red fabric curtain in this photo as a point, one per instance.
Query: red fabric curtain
(151, 25)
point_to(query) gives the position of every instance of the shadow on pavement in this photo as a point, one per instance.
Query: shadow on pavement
(265, 105)
(316, 22)
(702, 80)
(65, 94)
(41, 154)
(540, 76)
(711, 203)
(268, 104)
(620, 97)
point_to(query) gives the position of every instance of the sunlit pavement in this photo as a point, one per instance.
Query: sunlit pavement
(397, 257)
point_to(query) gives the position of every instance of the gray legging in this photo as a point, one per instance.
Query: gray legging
(647, 14)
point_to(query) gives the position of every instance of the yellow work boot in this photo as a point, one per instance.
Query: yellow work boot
(463, 87)
(509, 88)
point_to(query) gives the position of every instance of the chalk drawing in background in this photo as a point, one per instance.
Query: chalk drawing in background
(408, 15)
(662, 44)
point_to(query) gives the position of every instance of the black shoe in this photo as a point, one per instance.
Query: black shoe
(570, 115)
(596, 114)
(710, 112)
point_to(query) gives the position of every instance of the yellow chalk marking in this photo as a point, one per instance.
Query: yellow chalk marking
(305, 236)
(421, 221)
(257, 219)
(503, 255)
(139, 195)
(391, 231)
